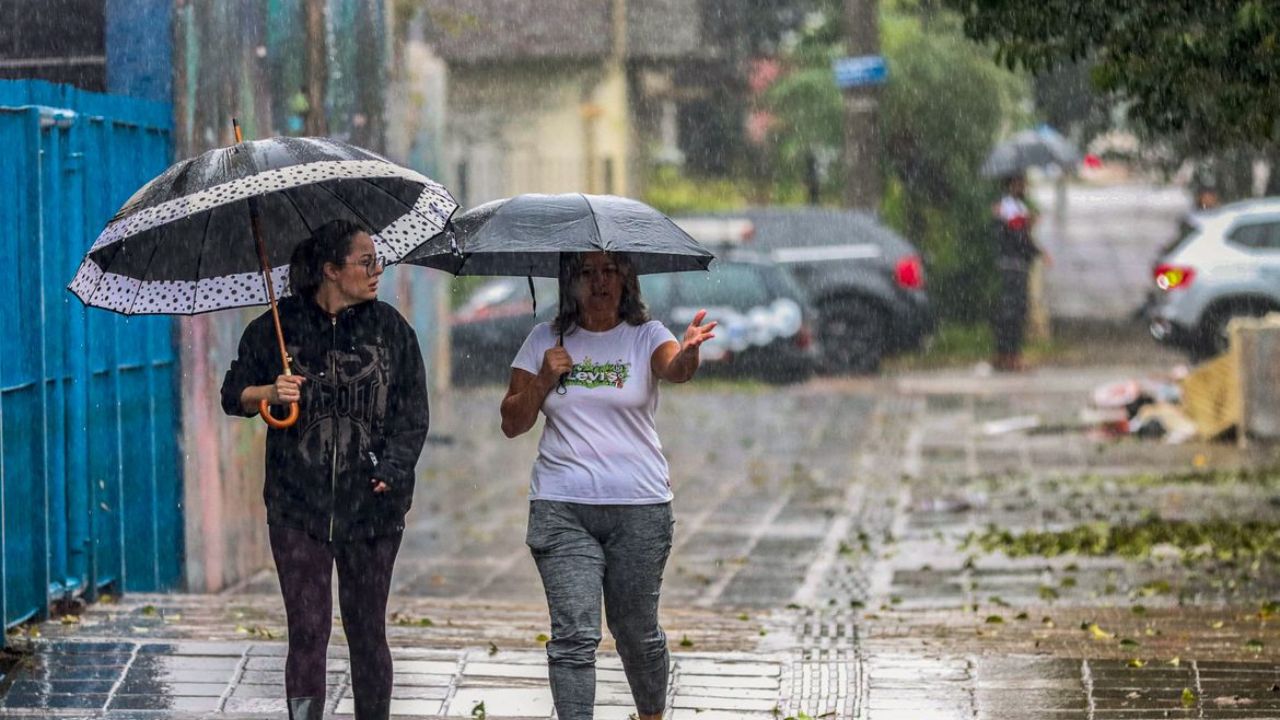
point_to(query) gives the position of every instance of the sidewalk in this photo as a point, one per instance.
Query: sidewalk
(222, 656)
(845, 549)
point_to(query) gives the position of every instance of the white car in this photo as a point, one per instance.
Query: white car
(1227, 264)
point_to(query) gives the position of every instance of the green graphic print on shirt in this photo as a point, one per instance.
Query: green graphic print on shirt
(590, 374)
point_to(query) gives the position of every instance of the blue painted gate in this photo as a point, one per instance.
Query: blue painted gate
(90, 482)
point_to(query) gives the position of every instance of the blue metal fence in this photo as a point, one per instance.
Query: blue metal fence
(90, 482)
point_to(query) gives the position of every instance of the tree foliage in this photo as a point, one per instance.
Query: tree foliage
(944, 106)
(1201, 72)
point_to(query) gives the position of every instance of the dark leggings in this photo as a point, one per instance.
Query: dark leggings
(305, 568)
(1011, 312)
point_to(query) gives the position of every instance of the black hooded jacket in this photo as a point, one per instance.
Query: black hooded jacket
(363, 415)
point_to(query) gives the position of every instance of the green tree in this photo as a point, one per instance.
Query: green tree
(943, 107)
(942, 110)
(1202, 73)
(1067, 99)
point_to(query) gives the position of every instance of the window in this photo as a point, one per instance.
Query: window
(1257, 236)
(739, 286)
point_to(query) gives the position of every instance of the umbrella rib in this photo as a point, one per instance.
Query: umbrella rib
(204, 236)
(355, 212)
(380, 189)
(402, 203)
(301, 216)
(90, 291)
(155, 247)
(595, 223)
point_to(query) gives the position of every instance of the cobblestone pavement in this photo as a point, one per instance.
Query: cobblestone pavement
(829, 561)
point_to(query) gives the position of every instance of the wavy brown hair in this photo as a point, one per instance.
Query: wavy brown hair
(329, 244)
(631, 307)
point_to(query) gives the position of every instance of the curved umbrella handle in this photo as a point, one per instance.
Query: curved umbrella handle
(264, 409)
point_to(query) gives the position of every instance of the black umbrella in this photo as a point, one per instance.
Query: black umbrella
(1030, 148)
(206, 234)
(525, 235)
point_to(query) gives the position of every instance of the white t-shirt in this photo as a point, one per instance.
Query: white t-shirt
(600, 445)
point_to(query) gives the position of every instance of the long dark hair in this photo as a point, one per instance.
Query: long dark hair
(631, 307)
(330, 243)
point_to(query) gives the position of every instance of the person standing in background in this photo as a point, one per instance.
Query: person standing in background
(1013, 219)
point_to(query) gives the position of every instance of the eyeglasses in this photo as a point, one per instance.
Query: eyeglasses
(371, 264)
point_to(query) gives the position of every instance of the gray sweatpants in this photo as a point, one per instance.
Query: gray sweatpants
(618, 551)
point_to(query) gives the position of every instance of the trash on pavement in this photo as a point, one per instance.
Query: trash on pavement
(1163, 420)
(1116, 394)
(1010, 424)
(1148, 408)
(1211, 396)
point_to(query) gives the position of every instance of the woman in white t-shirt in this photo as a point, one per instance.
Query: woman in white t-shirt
(600, 520)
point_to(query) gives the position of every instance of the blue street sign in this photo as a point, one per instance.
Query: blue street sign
(858, 71)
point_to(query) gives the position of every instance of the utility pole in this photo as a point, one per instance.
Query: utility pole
(860, 75)
(317, 76)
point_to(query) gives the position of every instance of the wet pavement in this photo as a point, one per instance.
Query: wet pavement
(844, 549)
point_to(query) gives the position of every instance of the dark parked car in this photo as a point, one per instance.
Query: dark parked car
(865, 281)
(765, 319)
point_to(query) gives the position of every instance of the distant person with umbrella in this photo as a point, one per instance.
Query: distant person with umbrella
(339, 482)
(600, 517)
(1013, 219)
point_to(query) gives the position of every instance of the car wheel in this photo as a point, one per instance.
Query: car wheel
(853, 336)
(1214, 339)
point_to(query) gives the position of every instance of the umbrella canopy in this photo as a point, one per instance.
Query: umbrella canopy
(525, 235)
(1030, 148)
(185, 243)
(206, 233)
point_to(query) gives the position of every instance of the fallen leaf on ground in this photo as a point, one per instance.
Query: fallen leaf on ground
(1188, 697)
(1098, 633)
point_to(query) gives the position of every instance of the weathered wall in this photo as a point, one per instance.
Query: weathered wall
(249, 59)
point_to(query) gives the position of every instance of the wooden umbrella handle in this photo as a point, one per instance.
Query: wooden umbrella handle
(264, 409)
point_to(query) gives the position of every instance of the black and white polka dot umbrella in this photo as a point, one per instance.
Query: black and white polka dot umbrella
(206, 234)
(184, 244)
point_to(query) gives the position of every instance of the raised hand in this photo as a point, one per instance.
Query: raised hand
(697, 333)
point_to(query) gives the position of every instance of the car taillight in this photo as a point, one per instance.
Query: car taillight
(910, 272)
(1172, 277)
(803, 338)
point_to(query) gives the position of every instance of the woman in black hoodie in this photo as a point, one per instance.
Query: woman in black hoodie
(340, 480)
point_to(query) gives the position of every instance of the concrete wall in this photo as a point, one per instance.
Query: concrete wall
(1256, 341)
(549, 127)
(417, 108)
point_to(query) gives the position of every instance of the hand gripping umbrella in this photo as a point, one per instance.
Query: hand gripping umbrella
(217, 231)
